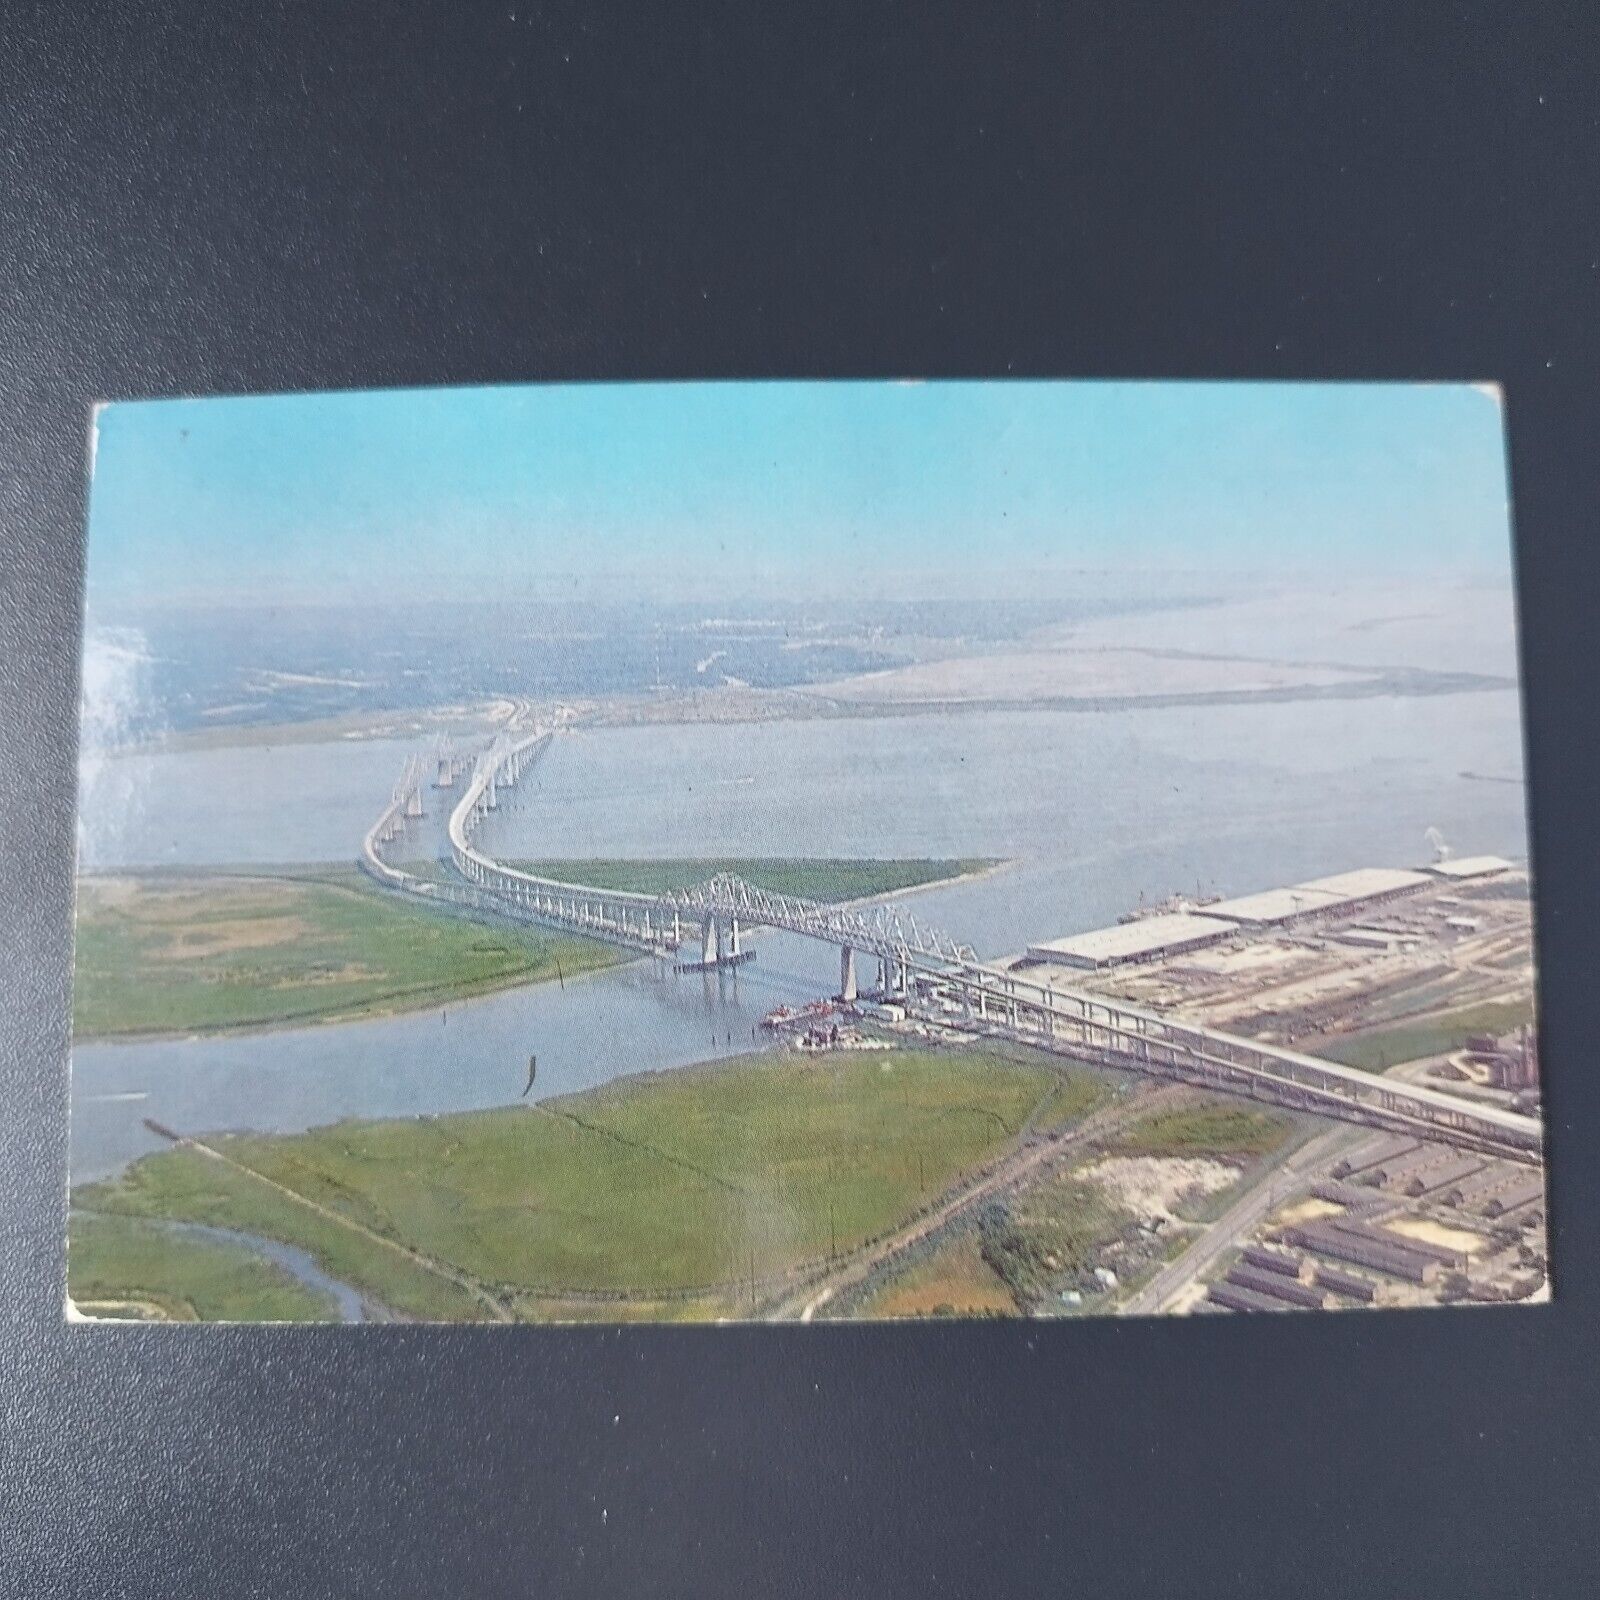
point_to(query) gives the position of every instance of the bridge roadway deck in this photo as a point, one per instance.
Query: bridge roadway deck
(1001, 1004)
(946, 983)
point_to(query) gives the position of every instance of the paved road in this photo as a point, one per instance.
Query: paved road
(1281, 1184)
(1279, 1187)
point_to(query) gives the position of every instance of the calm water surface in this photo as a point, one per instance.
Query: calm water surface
(1095, 810)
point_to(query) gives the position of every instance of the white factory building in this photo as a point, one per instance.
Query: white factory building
(1341, 893)
(1172, 933)
(1462, 868)
(1144, 939)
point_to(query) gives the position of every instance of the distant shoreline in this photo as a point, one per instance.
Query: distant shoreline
(813, 703)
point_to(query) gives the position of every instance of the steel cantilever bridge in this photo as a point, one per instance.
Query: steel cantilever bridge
(921, 967)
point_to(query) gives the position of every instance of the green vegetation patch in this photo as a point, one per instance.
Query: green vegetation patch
(120, 1267)
(1072, 1097)
(1217, 1128)
(1382, 1048)
(185, 1184)
(161, 952)
(954, 1281)
(653, 1185)
(811, 878)
(1052, 1236)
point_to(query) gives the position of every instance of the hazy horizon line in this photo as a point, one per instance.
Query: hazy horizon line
(1026, 586)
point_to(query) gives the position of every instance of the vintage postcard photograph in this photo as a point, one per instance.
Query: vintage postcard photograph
(811, 852)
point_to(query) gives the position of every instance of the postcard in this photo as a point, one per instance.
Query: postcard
(802, 851)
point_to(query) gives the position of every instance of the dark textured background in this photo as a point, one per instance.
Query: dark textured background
(224, 196)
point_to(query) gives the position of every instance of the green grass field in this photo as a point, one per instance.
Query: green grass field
(167, 953)
(813, 878)
(1215, 1128)
(207, 951)
(1382, 1048)
(1051, 1233)
(121, 1267)
(953, 1281)
(645, 1188)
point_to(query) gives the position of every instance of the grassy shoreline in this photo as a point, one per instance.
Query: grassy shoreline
(168, 953)
(130, 1269)
(677, 1190)
(835, 880)
(181, 954)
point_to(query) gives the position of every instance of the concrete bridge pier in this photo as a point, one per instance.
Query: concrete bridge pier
(491, 801)
(719, 943)
(847, 974)
(414, 803)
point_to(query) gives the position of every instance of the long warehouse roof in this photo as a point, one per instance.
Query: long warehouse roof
(1470, 867)
(1366, 881)
(1318, 894)
(1141, 937)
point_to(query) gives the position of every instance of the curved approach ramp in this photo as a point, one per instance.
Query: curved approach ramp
(921, 967)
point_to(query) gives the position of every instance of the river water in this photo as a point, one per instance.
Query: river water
(1093, 810)
(298, 1264)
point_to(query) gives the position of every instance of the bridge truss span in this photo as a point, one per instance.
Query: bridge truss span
(932, 974)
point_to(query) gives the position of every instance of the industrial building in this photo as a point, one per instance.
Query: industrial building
(1276, 1287)
(1362, 1246)
(1467, 867)
(1363, 938)
(1526, 1191)
(1350, 1284)
(1255, 1255)
(1340, 894)
(1359, 1202)
(1231, 1297)
(1375, 1154)
(1144, 939)
(1442, 1175)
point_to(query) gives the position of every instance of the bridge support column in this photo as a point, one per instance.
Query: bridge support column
(490, 802)
(708, 938)
(733, 937)
(847, 974)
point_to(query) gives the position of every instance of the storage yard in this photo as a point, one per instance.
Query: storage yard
(1424, 973)
(1397, 1224)
(1341, 956)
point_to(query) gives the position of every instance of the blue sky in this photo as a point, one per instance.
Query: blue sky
(911, 489)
